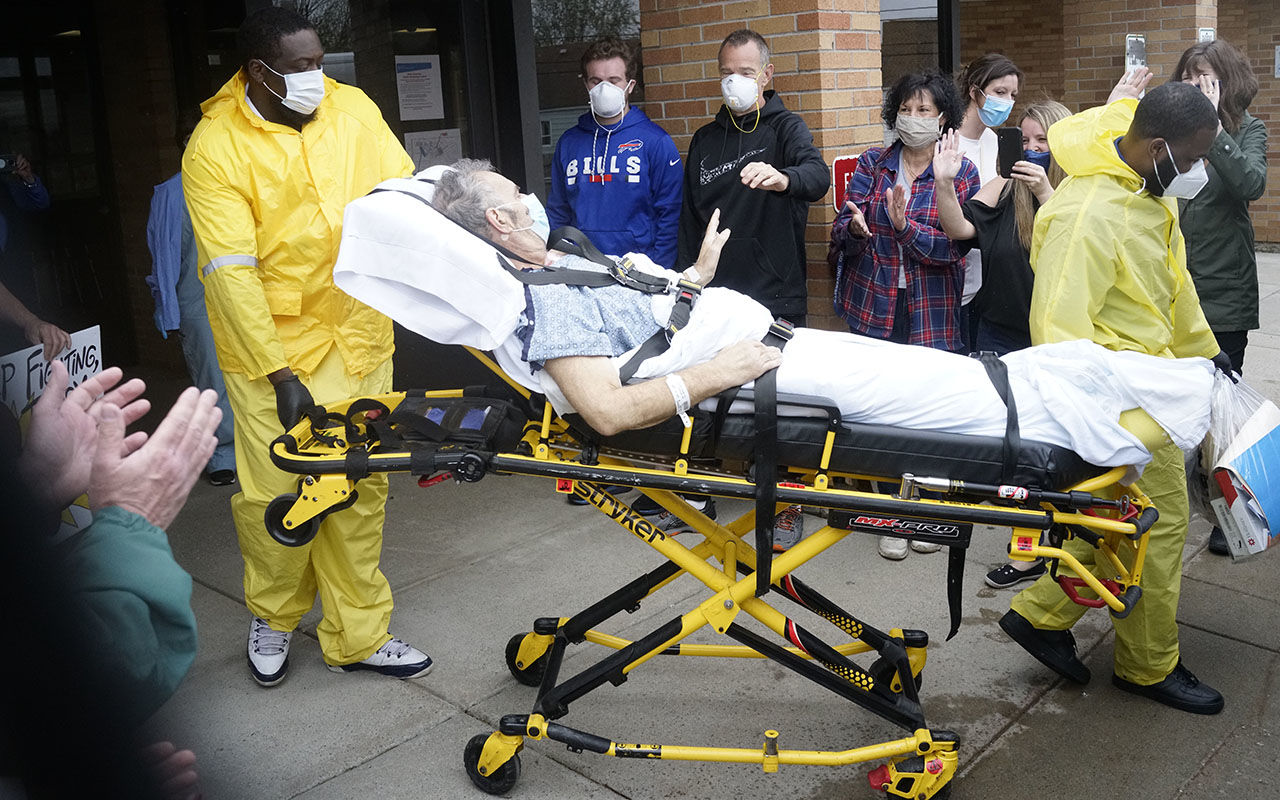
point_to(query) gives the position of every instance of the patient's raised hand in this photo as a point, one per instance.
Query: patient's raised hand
(709, 255)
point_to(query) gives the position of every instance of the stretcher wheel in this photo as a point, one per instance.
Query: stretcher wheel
(501, 781)
(299, 535)
(530, 675)
(289, 537)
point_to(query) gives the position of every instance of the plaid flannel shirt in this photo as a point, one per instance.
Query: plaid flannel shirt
(867, 268)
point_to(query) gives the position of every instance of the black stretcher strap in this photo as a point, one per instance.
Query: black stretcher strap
(999, 375)
(766, 477)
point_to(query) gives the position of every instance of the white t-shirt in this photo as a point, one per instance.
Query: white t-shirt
(982, 152)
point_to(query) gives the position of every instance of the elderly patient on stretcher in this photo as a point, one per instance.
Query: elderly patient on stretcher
(569, 342)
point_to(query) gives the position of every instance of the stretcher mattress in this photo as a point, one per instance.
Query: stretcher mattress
(871, 450)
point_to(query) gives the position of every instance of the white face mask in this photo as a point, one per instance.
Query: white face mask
(303, 91)
(916, 132)
(539, 223)
(740, 92)
(608, 100)
(1184, 184)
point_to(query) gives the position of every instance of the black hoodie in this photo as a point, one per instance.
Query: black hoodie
(764, 257)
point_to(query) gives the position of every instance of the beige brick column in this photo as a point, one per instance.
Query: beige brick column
(826, 57)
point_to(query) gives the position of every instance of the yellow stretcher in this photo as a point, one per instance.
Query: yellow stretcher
(954, 482)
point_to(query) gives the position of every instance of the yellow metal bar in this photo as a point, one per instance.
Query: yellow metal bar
(742, 755)
(827, 446)
(1109, 478)
(723, 650)
(1080, 571)
(497, 370)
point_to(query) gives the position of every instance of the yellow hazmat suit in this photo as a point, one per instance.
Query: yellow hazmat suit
(266, 203)
(1110, 266)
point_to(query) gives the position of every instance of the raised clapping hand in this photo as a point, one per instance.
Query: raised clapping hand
(712, 243)
(947, 159)
(857, 223)
(761, 175)
(895, 199)
(153, 480)
(58, 453)
(1131, 84)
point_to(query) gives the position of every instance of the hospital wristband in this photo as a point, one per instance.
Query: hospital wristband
(680, 394)
(692, 275)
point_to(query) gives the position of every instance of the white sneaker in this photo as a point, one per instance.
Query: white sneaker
(395, 659)
(892, 548)
(268, 652)
(925, 547)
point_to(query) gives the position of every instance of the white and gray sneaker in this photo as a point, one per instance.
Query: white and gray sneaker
(268, 652)
(395, 659)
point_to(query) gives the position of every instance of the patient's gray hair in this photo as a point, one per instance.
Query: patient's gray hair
(463, 197)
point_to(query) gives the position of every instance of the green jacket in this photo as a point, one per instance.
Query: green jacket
(135, 603)
(1219, 233)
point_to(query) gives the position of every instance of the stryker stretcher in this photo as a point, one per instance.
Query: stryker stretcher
(470, 436)
(805, 453)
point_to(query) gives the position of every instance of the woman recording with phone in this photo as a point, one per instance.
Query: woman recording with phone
(989, 85)
(1216, 222)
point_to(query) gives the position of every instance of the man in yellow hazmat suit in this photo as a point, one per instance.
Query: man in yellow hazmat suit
(279, 153)
(1110, 266)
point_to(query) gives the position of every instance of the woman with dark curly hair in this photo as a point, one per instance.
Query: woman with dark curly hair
(898, 276)
(1216, 223)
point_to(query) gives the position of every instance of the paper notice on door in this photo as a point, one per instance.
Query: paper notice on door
(419, 87)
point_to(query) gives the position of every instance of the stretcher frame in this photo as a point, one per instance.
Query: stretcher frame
(920, 764)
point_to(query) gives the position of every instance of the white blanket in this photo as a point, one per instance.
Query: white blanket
(406, 260)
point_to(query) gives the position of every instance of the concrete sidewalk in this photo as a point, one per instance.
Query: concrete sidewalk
(471, 565)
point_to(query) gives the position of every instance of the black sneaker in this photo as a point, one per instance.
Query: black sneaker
(1006, 575)
(1218, 542)
(226, 477)
(1179, 689)
(1055, 649)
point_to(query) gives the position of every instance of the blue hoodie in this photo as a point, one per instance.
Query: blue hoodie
(619, 185)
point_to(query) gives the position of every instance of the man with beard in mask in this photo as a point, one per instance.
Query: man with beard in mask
(279, 153)
(616, 175)
(1110, 266)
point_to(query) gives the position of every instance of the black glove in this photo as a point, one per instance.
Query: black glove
(1223, 364)
(292, 398)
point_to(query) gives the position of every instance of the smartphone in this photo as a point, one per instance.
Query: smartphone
(1008, 150)
(8, 164)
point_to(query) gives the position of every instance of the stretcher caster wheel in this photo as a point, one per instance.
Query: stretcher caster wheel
(502, 779)
(531, 674)
(899, 782)
(296, 536)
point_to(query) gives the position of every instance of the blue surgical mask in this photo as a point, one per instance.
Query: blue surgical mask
(995, 110)
(537, 216)
(1041, 160)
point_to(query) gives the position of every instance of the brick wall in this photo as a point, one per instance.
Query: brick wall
(910, 45)
(1094, 39)
(1027, 31)
(826, 57)
(1263, 26)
